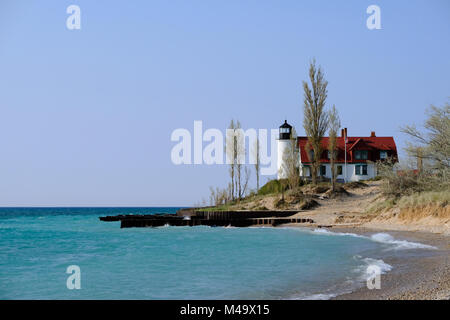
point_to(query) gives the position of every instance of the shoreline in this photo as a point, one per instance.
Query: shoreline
(417, 274)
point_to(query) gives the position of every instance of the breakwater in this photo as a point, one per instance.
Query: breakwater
(194, 217)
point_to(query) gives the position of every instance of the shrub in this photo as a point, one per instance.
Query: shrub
(401, 180)
(294, 196)
(273, 186)
(429, 166)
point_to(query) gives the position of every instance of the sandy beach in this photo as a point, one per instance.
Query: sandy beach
(417, 274)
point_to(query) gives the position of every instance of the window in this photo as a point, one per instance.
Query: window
(329, 154)
(383, 154)
(361, 154)
(306, 172)
(339, 170)
(361, 170)
(323, 170)
(284, 130)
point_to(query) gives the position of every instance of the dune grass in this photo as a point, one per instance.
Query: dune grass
(418, 204)
(440, 198)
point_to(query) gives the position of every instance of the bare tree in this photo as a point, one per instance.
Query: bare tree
(245, 183)
(219, 196)
(240, 157)
(212, 196)
(334, 125)
(231, 154)
(290, 167)
(433, 145)
(235, 150)
(429, 151)
(256, 156)
(230, 194)
(398, 179)
(315, 120)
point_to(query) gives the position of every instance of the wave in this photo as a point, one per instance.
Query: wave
(321, 296)
(371, 267)
(330, 233)
(381, 237)
(367, 269)
(398, 244)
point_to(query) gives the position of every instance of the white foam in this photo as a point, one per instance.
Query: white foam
(376, 264)
(320, 296)
(380, 238)
(330, 233)
(163, 226)
(371, 267)
(398, 244)
(367, 268)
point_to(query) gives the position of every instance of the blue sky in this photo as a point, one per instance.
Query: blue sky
(86, 115)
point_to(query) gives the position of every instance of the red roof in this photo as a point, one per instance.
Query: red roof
(372, 144)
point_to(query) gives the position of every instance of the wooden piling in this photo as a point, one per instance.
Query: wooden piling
(209, 218)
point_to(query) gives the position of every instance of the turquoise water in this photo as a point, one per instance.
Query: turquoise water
(37, 245)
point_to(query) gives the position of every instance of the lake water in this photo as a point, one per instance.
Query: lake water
(38, 244)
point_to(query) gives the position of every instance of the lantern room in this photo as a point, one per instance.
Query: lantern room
(285, 131)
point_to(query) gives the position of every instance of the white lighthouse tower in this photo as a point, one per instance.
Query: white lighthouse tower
(283, 142)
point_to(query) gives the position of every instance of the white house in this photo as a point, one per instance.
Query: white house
(356, 156)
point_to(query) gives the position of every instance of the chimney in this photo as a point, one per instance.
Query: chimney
(342, 132)
(345, 132)
(372, 134)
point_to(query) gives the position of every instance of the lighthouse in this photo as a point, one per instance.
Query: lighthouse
(283, 142)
